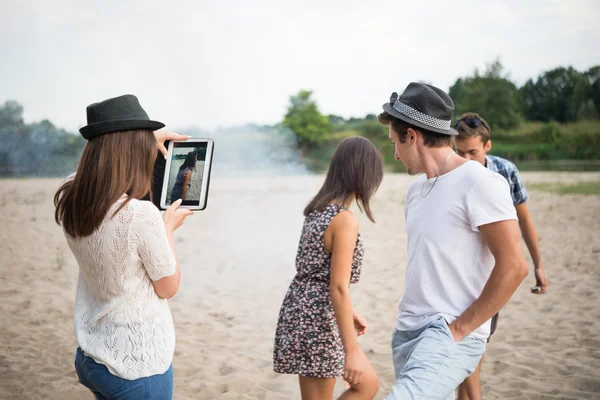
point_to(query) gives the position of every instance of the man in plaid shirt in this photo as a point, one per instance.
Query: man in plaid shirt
(473, 143)
(509, 171)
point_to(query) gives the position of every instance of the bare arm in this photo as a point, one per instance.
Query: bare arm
(167, 287)
(533, 245)
(173, 217)
(344, 232)
(504, 241)
(187, 176)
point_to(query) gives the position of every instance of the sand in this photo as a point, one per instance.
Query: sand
(237, 261)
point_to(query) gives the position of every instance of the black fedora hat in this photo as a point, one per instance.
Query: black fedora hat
(123, 113)
(423, 106)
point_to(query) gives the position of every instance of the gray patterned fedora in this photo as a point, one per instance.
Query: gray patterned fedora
(423, 106)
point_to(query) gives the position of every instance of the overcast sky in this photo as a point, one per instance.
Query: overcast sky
(223, 63)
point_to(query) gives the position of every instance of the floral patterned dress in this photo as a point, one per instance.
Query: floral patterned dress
(307, 340)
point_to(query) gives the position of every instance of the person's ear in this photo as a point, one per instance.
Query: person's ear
(488, 146)
(411, 135)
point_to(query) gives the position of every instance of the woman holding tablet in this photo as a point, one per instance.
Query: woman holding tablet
(317, 328)
(184, 177)
(126, 255)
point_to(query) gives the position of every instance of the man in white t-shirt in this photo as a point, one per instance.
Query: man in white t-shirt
(465, 258)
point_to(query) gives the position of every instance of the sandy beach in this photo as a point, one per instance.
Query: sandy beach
(237, 260)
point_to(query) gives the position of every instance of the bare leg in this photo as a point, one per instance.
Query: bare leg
(366, 389)
(316, 388)
(470, 389)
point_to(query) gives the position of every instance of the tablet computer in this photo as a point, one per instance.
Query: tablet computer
(187, 173)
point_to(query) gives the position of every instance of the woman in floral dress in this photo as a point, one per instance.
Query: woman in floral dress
(317, 328)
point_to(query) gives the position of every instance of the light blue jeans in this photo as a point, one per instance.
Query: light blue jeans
(429, 364)
(106, 386)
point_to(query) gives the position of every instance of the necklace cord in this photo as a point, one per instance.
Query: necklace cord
(437, 177)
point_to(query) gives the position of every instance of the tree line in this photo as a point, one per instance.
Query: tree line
(39, 148)
(560, 94)
(554, 116)
(563, 95)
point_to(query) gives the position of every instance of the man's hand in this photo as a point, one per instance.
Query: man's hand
(533, 244)
(163, 136)
(456, 334)
(540, 280)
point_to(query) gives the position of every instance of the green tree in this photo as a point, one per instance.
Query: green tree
(13, 134)
(587, 111)
(305, 120)
(556, 95)
(490, 94)
(335, 119)
(11, 114)
(593, 75)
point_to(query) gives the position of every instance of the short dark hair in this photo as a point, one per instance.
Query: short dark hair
(471, 124)
(356, 168)
(430, 139)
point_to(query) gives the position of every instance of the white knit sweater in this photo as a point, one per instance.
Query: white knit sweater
(119, 319)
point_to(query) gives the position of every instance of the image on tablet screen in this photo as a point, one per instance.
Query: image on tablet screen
(185, 175)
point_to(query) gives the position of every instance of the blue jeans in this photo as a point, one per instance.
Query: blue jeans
(429, 364)
(107, 386)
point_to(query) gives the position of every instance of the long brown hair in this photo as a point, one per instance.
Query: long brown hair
(111, 165)
(356, 168)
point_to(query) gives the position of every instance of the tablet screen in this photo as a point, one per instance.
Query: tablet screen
(186, 173)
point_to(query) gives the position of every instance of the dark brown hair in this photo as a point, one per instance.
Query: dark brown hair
(111, 165)
(430, 139)
(471, 124)
(355, 168)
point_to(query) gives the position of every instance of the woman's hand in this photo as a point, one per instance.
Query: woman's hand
(174, 216)
(163, 136)
(360, 325)
(354, 365)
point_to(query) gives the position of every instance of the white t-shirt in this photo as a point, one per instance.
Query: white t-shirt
(119, 319)
(448, 261)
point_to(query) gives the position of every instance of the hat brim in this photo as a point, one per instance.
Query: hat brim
(392, 111)
(102, 128)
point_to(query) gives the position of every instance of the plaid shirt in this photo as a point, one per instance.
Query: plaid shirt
(509, 171)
